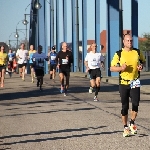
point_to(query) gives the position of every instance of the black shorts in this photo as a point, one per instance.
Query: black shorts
(31, 65)
(10, 64)
(2, 67)
(52, 66)
(126, 92)
(95, 73)
(22, 65)
(39, 72)
(66, 72)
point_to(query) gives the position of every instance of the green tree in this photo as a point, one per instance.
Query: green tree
(144, 44)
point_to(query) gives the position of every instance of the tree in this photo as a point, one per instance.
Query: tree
(144, 43)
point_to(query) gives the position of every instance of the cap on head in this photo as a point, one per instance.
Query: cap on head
(53, 48)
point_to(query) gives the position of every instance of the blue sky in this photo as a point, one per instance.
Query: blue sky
(12, 12)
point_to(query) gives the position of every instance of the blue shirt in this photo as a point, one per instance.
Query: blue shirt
(39, 60)
(53, 58)
(11, 56)
(30, 55)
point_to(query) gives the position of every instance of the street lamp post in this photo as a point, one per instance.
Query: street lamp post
(17, 36)
(9, 45)
(38, 5)
(25, 22)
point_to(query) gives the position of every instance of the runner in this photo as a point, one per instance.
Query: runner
(31, 52)
(3, 61)
(128, 62)
(22, 56)
(10, 67)
(93, 62)
(64, 59)
(38, 60)
(52, 56)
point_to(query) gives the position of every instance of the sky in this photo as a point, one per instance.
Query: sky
(12, 13)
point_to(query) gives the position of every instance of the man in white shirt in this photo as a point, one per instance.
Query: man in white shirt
(22, 56)
(39, 59)
(93, 62)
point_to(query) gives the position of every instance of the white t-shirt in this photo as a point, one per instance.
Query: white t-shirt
(23, 56)
(94, 60)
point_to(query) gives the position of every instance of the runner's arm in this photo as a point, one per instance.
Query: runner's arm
(114, 63)
(46, 58)
(86, 62)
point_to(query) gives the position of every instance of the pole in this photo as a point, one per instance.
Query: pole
(65, 20)
(17, 42)
(26, 38)
(52, 22)
(97, 24)
(9, 43)
(77, 37)
(84, 32)
(17, 37)
(57, 26)
(134, 22)
(121, 24)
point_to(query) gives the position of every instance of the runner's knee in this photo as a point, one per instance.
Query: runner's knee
(124, 110)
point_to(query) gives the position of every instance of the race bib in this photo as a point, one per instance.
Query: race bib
(10, 58)
(53, 57)
(93, 63)
(135, 83)
(33, 59)
(64, 61)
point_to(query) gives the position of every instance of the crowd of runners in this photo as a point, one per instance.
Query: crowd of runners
(58, 61)
(17, 63)
(128, 62)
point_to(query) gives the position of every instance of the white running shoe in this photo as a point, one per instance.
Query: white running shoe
(95, 99)
(90, 90)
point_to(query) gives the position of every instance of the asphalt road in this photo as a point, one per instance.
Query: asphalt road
(34, 120)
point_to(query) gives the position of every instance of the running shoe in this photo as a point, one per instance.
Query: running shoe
(95, 99)
(126, 132)
(133, 128)
(90, 90)
(65, 92)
